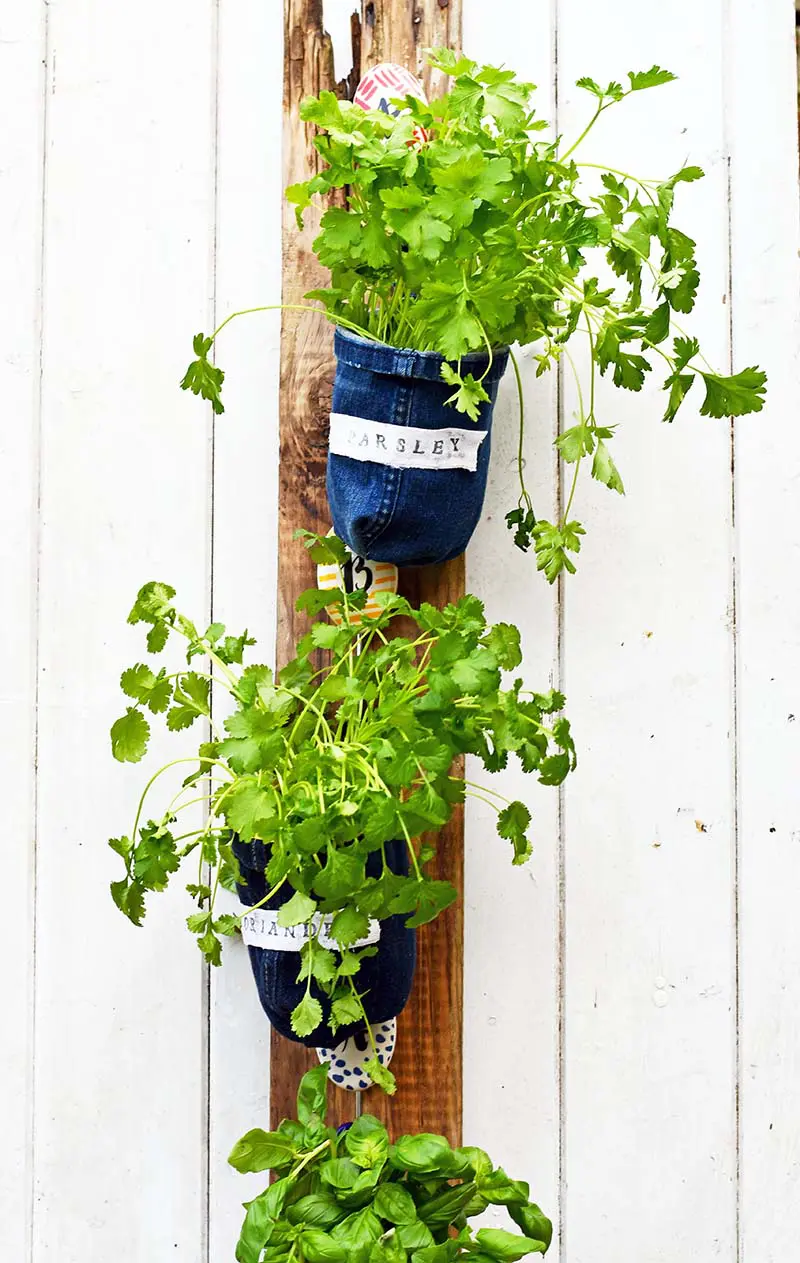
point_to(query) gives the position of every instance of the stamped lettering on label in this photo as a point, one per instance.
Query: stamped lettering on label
(260, 929)
(404, 446)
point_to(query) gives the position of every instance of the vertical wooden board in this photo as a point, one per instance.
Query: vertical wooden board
(762, 91)
(511, 1071)
(427, 1063)
(22, 50)
(248, 272)
(120, 1025)
(428, 1060)
(306, 382)
(394, 30)
(650, 1157)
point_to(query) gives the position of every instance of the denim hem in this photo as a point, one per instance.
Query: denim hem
(390, 361)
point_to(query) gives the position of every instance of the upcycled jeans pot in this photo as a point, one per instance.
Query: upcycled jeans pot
(386, 977)
(406, 472)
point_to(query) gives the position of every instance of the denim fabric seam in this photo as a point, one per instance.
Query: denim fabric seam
(394, 482)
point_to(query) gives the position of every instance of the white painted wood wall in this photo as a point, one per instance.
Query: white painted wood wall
(632, 1039)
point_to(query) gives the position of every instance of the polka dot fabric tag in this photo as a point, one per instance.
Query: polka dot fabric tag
(346, 1061)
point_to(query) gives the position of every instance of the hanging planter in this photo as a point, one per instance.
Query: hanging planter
(465, 231)
(386, 953)
(313, 777)
(406, 481)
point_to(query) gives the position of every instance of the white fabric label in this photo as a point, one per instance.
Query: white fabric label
(404, 446)
(260, 929)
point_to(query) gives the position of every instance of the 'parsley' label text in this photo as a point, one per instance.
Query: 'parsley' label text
(404, 446)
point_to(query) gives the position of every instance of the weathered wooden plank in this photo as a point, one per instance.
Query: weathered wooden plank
(511, 1048)
(761, 95)
(428, 1059)
(429, 1070)
(245, 525)
(649, 1045)
(120, 1053)
(306, 382)
(22, 98)
(395, 30)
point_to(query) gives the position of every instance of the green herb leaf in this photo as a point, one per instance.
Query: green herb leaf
(733, 396)
(260, 1151)
(306, 1016)
(513, 823)
(604, 469)
(469, 393)
(533, 1222)
(129, 736)
(129, 898)
(652, 78)
(202, 377)
(319, 1247)
(367, 1143)
(381, 1076)
(553, 544)
(395, 1204)
(506, 1247)
(297, 910)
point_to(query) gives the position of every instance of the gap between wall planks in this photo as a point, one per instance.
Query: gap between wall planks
(427, 1063)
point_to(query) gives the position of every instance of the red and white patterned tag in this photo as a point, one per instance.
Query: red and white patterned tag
(384, 82)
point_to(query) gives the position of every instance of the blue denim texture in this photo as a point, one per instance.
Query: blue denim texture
(411, 517)
(386, 977)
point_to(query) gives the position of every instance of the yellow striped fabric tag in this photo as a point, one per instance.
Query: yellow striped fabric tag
(355, 575)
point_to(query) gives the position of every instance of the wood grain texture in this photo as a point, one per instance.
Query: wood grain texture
(401, 30)
(306, 382)
(428, 1059)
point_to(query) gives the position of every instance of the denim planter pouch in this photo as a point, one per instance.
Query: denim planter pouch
(406, 472)
(386, 977)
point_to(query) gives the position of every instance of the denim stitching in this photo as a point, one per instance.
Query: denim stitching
(394, 482)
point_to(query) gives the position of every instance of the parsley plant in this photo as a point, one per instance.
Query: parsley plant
(490, 234)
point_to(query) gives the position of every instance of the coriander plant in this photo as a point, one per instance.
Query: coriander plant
(328, 762)
(490, 234)
(354, 1197)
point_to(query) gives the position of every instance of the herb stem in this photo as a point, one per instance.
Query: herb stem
(584, 133)
(161, 770)
(520, 450)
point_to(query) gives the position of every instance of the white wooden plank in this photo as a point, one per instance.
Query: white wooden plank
(22, 44)
(511, 1050)
(650, 1128)
(762, 102)
(120, 1086)
(248, 273)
